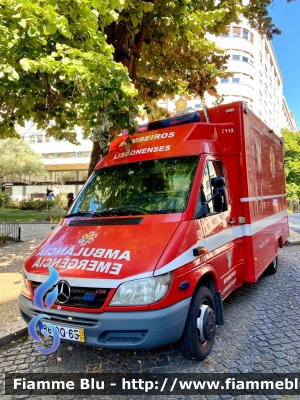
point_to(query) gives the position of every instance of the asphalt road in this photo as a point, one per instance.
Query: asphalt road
(261, 334)
(294, 222)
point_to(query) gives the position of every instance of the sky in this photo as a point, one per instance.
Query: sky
(286, 17)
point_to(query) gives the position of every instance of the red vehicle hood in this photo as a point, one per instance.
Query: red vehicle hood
(107, 248)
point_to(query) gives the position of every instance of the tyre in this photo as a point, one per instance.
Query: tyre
(272, 268)
(200, 327)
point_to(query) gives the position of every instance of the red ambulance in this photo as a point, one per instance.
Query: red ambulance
(173, 220)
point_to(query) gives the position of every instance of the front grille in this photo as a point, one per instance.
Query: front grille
(64, 319)
(76, 296)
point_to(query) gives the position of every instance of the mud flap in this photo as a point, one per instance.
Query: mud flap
(219, 309)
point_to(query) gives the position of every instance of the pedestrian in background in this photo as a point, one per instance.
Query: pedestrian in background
(49, 191)
(3, 186)
(70, 198)
(56, 190)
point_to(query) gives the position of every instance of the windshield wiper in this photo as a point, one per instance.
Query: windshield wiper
(130, 210)
(80, 214)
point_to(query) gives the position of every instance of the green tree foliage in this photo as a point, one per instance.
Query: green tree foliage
(292, 163)
(57, 70)
(92, 62)
(17, 157)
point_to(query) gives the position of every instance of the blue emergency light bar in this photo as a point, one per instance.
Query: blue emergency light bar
(168, 122)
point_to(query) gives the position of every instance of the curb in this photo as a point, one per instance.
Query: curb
(292, 243)
(9, 334)
(293, 239)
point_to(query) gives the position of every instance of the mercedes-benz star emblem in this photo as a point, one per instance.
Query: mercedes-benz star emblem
(64, 292)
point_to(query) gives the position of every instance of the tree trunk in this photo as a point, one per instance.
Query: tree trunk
(97, 154)
(126, 51)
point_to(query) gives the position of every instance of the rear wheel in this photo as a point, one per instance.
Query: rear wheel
(200, 327)
(273, 267)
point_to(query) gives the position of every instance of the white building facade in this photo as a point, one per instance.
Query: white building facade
(66, 164)
(256, 78)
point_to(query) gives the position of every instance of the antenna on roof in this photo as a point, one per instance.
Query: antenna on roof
(205, 109)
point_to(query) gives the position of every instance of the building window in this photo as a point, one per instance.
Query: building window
(235, 80)
(32, 139)
(226, 34)
(245, 59)
(82, 175)
(245, 34)
(47, 139)
(236, 31)
(39, 139)
(224, 80)
(236, 57)
(86, 154)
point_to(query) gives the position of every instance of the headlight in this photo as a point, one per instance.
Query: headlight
(25, 285)
(142, 291)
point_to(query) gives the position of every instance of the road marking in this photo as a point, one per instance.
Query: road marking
(294, 226)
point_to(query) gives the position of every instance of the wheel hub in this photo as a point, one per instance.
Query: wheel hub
(206, 323)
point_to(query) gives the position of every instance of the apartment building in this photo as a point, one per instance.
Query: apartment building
(256, 78)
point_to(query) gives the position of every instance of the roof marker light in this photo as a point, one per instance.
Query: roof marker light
(169, 122)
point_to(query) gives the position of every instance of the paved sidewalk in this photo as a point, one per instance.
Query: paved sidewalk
(12, 257)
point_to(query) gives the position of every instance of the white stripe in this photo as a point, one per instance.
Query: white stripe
(211, 243)
(260, 198)
(90, 282)
(255, 227)
(220, 239)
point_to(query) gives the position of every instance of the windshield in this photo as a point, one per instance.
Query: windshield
(148, 187)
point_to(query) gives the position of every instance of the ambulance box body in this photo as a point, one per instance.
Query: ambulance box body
(173, 220)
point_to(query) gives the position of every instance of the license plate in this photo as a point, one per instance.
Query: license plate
(76, 334)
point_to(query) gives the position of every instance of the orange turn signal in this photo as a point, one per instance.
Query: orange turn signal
(200, 251)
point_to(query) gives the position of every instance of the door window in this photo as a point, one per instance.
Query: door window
(205, 204)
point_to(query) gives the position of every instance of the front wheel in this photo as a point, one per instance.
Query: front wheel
(273, 267)
(200, 327)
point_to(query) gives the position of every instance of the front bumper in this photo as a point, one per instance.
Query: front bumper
(119, 330)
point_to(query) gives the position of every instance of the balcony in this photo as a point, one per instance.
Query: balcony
(66, 161)
(236, 89)
(242, 67)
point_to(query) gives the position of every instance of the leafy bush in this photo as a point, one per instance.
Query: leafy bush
(56, 213)
(11, 204)
(4, 199)
(37, 205)
(292, 191)
(4, 238)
